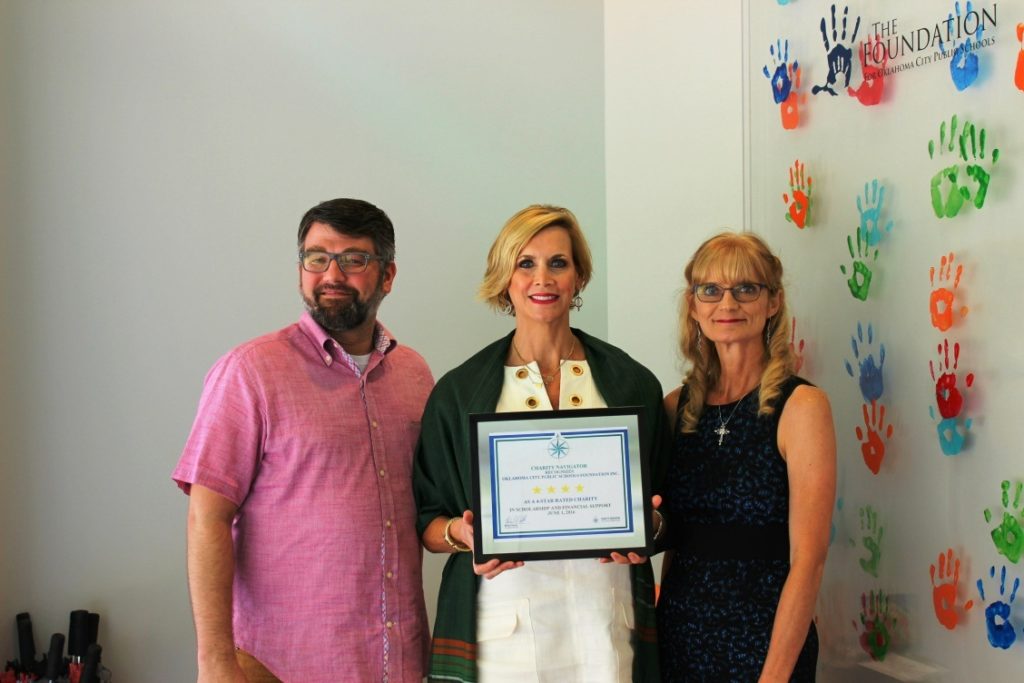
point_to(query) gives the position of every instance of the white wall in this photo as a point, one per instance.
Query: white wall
(156, 160)
(673, 110)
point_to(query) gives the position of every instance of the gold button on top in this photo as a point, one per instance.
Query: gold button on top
(388, 523)
(575, 400)
(577, 370)
(532, 402)
(521, 373)
(389, 575)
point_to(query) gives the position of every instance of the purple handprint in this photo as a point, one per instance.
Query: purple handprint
(870, 379)
(840, 56)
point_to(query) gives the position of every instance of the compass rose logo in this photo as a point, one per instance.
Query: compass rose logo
(558, 447)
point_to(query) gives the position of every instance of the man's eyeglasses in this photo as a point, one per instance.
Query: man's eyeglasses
(348, 261)
(744, 292)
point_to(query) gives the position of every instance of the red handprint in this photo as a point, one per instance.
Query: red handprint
(1018, 76)
(871, 88)
(800, 208)
(797, 348)
(940, 303)
(790, 107)
(944, 593)
(872, 446)
(947, 396)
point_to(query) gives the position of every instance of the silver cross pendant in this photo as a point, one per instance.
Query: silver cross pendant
(721, 431)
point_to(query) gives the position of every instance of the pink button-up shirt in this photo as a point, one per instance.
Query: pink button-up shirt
(318, 458)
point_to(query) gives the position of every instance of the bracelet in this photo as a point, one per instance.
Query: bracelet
(452, 543)
(660, 531)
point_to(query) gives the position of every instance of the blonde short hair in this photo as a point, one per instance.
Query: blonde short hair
(516, 233)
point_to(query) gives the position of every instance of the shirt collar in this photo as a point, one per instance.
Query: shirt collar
(383, 342)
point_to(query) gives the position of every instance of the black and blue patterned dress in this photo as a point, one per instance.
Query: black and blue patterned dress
(729, 506)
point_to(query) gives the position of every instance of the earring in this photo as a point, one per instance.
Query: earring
(508, 309)
(700, 341)
(577, 302)
(768, 334)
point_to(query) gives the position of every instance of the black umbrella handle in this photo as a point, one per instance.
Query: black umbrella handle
(55, 658)
(91, 667)
(78, 634)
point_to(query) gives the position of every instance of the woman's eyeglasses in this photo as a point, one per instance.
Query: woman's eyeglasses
(744, 292)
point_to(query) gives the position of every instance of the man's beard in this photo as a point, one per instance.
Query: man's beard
(343, 316)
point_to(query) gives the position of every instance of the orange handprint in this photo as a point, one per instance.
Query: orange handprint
(871, 88)
(790, 107)
(800, 208)
(872, 446)
(944, 593)
(940, 304)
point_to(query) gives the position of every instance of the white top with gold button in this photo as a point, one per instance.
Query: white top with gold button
(556, 620)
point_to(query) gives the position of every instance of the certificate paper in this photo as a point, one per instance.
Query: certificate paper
(560, 484)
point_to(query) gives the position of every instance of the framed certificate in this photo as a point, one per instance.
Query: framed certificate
(559, 484)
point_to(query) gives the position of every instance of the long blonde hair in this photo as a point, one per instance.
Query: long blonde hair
(735, 257)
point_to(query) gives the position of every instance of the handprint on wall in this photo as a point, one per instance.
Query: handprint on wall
(869, 374)
(964, 64)
(877, 623)
(785, 82)
(838, 53)
(1018, 75)
(951, 431)
(940, 303)
(872, 531)
(1001, 631)
(1008, 537)
(948, 397)
(969, 146)
(945, 599)
(870, 212)
(859, 281)
(799, 208)
(874, 437)
(873, 86)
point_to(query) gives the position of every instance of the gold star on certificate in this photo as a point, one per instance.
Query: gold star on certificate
(579, 488)
(536, 489)
(551, 489)
(565, 488)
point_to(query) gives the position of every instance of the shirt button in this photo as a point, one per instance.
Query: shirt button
(389, 624)
(521, 373)
(381, 473)
(577, 370)
(327, 358)
(532, 402)
(389, 575)
(374, 423)
(575, 400)
(387, 523)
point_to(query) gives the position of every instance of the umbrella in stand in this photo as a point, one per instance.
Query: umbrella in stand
(54, 659)
(25, 668)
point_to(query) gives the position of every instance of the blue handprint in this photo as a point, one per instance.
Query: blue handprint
(1001, 632)
(870, 213)
(782, 84)
(870, 379)
(963, 66)
(839, 55)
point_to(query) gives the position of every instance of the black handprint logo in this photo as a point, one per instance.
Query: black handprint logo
(840, 57)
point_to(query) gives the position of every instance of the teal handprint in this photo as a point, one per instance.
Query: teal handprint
(969, 145)
(1008, 536)
(859, 281)
(872, 540)
(871, 213)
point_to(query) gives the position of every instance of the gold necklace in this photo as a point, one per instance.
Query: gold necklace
(544, 379)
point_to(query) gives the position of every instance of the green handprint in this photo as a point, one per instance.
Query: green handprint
(859, 281)
(969, 145)
(874, 615)
(872, 540)
(1008, 536)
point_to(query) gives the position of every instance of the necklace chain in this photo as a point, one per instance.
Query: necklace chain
(544, 379)
(722, 424)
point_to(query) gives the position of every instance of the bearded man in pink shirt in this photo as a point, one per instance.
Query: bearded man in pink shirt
(303, 558)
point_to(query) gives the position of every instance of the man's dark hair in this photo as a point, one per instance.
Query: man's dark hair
(355, 218)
